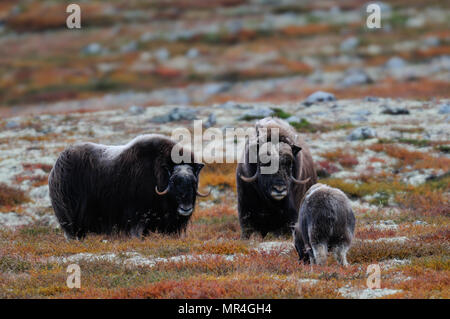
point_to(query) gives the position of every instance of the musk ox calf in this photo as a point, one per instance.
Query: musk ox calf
(270, 202)
(132, 189)
(326, 222)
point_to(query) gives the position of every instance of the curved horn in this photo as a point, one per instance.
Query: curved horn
(299, 181)
(249, 179)
(203, 195)
(164, 192)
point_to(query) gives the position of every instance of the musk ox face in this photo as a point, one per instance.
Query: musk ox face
(276, 186)
(182, 187)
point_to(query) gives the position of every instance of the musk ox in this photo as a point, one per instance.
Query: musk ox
(326, 222)
(132, 189)
(270, 202)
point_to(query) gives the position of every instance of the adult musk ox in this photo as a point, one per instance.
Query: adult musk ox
(326, 222)
(270, 202)
(132, 189)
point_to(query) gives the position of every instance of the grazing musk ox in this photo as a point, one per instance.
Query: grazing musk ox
(270, 202)
(326, 222)
(132, 189)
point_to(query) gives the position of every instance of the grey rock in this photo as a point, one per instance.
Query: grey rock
(371, 99)
(216, 88)
(129, 47)
(355, 77)
(420, 222)
(92, 49)
(293, 119)
(192, 53)
(431, 41)
(12, 125)
(363, 112)
(230, 105)
(319, 96)
(395, 63)
(349, 44)
(136, 110)
(394, 110)
(177, 114)
(444, 108)
(211, 121)
(362, 133)
(162, 54)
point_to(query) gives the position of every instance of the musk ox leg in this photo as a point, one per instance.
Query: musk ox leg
(341, 254)
(320, 253)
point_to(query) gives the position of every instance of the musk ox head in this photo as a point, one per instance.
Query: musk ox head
(276, 186)
(182, 184)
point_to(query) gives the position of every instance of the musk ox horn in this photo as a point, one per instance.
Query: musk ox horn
(249, 179)
(164, 192)
(203, 195)
(298, 181)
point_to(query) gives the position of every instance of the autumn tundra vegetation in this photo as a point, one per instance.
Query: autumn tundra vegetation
(372, 106)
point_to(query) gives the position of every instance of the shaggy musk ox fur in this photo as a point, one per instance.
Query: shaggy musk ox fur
(133, 189)
(270, 202)
(326, 222)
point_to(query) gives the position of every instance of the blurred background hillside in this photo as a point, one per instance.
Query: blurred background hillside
(201, 52)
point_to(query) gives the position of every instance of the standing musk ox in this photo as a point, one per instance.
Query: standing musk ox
(270, 202)
(326, 222)
(132, 189)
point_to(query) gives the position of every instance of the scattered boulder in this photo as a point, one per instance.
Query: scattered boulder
(192, 53)
(211, 121)
(162, 54)
(318, 97)
(293, 119)
(355, 77)
(12, 125)
(362, 133)
(14, 220)
(395, 63)
(129, 47)
(230, 105)
(394, 110)
(371, 99)
(444, 108)
(136, 110)
(92, 49)
(349, 44)
(177, 114)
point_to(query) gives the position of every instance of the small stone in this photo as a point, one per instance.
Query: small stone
(371, 99)
(92, 49)
(395, 63)
(192, 53)
(177, 114)
(349, 44)
(12, 125)
(394, 110)
(362, 133)
(129, 47)
(319, 96)
(211, 121)
(293, 119)
(136, 110)
(355, 77)
(162, 54)
(444, 108)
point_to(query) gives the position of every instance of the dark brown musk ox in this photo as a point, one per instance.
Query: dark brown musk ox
(326, 223)
(131, 189)
(270, 202)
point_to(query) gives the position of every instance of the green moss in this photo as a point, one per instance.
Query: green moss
(280, 113)
(444, 148)
(304, 126)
